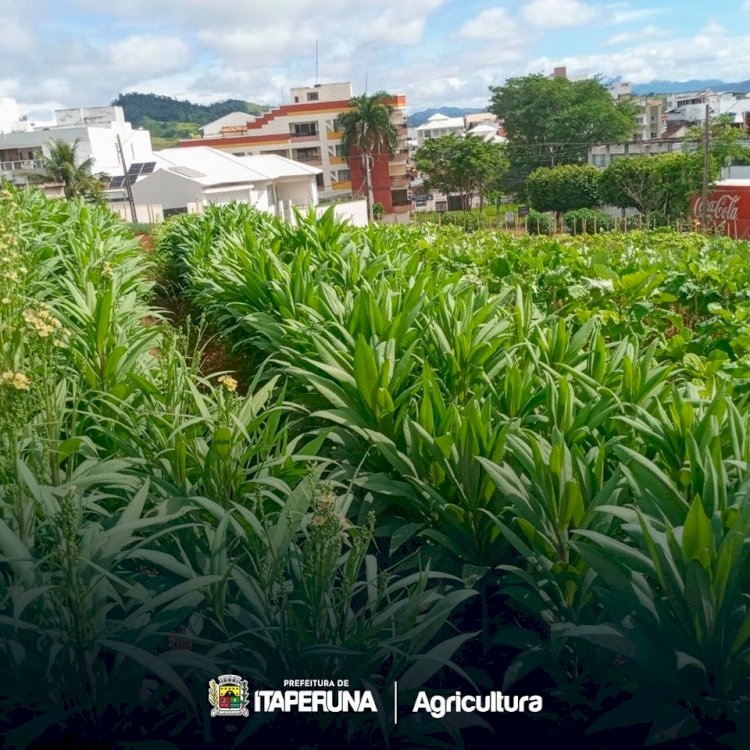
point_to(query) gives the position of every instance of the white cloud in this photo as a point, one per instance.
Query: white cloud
(558, 14)
(712, 53)
(625, 37)
(623, 13)
(491, 24)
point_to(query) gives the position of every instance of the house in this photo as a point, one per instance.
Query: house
(184, 180)
(99, 131)
(307, 130)
(440, 125)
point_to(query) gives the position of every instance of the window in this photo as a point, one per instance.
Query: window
(312, 96)
(319, 180)
(271, 195)
(344, 175)
(307, 154)
(304, 128)
(337, 125)
(339, 150)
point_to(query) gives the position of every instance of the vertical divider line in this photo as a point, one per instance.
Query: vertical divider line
(395, 702)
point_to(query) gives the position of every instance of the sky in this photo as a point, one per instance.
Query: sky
(70, 53)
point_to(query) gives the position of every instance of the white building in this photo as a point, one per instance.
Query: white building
(691, 106)
(96, 130)
(185, 179)
(438, 126)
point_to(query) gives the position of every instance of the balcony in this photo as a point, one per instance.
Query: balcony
(342, 185)
(399, 182)
(21, 165)
(315, 136)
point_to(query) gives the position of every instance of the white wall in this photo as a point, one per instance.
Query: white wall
(302, 191)
(145, 214)
(8, 114)
(352, 211)
(167, 189)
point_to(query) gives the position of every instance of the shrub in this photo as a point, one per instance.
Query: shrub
(588, 221)
(538, 223)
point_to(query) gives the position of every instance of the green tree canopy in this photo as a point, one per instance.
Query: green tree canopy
(662, 183)
(63, 165)
(552, 121)
(725, 144)
(564, 188)
(466, 165)
(368, 129)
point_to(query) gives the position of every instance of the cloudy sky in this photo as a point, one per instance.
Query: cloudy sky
(57, 53)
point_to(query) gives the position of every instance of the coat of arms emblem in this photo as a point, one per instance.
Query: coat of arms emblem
(229, 696)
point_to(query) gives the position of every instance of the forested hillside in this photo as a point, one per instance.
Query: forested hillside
(169, 119)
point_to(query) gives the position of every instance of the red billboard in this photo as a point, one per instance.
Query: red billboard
(728, 209)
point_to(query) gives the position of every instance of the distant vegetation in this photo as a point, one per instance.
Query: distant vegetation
(169, 119)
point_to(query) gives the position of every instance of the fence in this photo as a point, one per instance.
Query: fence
(471, 221)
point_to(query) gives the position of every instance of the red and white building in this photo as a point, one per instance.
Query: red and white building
(307, 130)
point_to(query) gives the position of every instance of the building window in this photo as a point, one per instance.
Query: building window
(337, 124)
(307, 154)
(319, 180)
(271, 195)
(304, 128)
(344, 175)
(312, 96)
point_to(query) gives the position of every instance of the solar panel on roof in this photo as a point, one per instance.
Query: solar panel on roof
(148, 167)
(135, 169)
(116, 183)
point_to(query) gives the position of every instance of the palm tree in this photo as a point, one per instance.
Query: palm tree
(62, 166)
(368, 129)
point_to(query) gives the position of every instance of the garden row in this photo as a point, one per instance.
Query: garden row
(461, 462)
(561, 425)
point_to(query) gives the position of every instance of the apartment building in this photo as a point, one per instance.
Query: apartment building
(95, 129)
(307, 130)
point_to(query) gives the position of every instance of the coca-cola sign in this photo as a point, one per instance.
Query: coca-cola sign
(728, 207)
(723, 208)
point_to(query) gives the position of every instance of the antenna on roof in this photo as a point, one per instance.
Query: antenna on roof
(316, 62)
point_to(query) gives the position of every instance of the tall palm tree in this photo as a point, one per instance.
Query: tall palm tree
(62, 165)
(368, 130)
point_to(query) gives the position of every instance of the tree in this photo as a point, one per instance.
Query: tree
(725, 145)
(662, 183)
(565, 188)
(368, 129)
(466, 165)
(62, 165)
(552, 121)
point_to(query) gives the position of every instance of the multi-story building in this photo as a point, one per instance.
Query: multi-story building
(650, 121)
(691, 106)
(96, 130)
(308, 130)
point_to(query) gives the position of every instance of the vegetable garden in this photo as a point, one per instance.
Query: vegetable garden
(459, 461)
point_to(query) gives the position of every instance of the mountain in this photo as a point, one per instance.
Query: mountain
(169, 119)
(166, 109)
(677, 87)
(419, 118)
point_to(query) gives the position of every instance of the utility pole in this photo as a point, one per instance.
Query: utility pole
(706, 168)
(128, 188)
